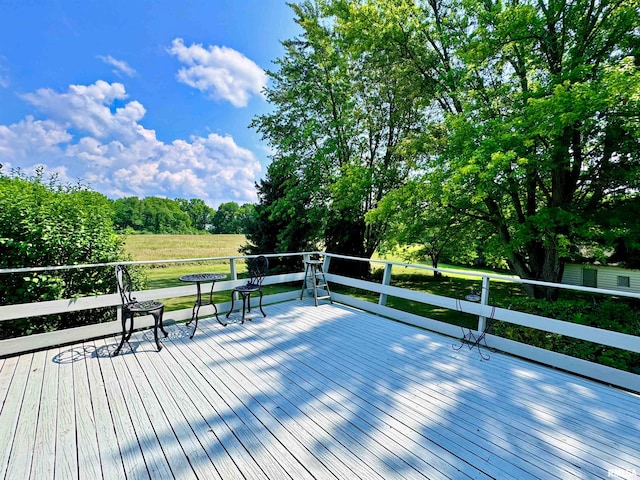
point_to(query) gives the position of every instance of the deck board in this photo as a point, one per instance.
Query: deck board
(87, 434)
(276, 411)
(10, 414)
(6, 372)
(109, 451)
(307, 392)
(25, 432)
(301, 402)
(44, 448)
(494, 432)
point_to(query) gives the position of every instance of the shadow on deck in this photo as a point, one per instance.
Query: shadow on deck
(307, 392)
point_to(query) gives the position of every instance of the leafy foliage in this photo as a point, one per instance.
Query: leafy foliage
(336, 129)
(532, 122)
(180, 216)
(279, 223)
(617, 315)
(200, 213)
(153, 215)
(416, 219)
(231, 218)
(48, 224)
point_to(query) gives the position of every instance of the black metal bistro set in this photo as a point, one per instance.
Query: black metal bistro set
(131, 307)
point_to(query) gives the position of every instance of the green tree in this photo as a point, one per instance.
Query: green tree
(415, 219)
(162, 215)
(246, 215)
(338, 122)
(533, 113)
(231, 218)
(200, 213)
(152, 215)
(128, 214)
(276, 226)
(47, 224)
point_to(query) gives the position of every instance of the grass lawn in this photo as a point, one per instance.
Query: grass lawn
(454, 286)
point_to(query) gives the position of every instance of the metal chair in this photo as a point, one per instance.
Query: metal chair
(132, 307)
(258, 268)
(476, 339)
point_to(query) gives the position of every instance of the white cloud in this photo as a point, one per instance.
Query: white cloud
(33, 140)
(87, 137)
(90, 108)
(220, 72)
(120, 66)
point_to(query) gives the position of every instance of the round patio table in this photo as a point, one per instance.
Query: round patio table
(198, 279)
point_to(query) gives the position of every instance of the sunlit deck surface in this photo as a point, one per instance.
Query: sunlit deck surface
(307, 392)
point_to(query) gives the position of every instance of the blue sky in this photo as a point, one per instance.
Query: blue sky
(140, 97)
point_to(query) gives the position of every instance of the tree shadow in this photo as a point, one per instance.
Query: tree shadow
(333, 392)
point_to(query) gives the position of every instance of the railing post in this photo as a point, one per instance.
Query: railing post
(234, 274)
(118, 283)
(386, 280)
(325, 264)
(484, 300)
(232, 269)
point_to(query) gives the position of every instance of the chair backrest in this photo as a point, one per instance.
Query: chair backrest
(125, 285)
(258, 268)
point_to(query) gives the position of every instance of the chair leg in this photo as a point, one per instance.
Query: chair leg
(244, 305)
(125, 335)
(130, 328)
(263, 314)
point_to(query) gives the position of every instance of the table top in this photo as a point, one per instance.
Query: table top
(202, 277)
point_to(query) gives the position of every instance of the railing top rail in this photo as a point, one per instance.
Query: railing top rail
(495, 276)
(480, 275)
(143, 262)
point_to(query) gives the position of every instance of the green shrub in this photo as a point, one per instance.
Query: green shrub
(48, 224)
(618, 315)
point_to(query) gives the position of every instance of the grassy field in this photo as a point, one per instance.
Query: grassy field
(165, 247)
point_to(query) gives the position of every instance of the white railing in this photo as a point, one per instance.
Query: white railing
(482, 309)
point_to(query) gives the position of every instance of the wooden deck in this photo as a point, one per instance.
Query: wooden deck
(308, 392)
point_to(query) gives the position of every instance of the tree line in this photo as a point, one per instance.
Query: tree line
(179, 216)
(503, 129)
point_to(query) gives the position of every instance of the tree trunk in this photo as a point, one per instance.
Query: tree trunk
(434, 264)
(544, 264)
(348, 238)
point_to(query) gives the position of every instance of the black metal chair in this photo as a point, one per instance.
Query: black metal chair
(132, 307)
(258, 268)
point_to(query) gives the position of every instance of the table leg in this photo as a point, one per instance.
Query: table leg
(196, 309)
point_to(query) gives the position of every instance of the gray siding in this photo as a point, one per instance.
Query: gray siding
(607, 277)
